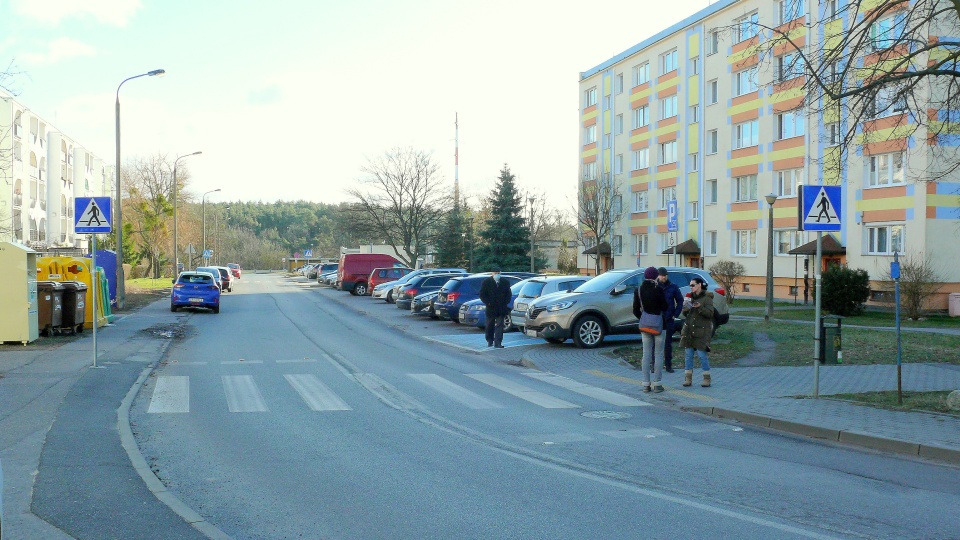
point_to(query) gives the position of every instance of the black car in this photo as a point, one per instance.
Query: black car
(421, 284)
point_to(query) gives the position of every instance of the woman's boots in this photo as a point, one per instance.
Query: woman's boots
(688, 377)
(706, 379)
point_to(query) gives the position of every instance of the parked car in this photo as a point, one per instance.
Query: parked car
(475, 312)
(681, 275)
(329, 279)
(391, 295)
(195, 289)
(355, 268)
(458, 290)
(594, 310)
(213, 272)
(234, 269)
(380, 276)
(539, 287)
(226, 278)
(422, 304)
(420, 284)
(326, 269)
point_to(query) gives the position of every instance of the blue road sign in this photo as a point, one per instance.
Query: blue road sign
(207, 253)
(673, 224)
(820, 208)
(92, 215)
(308, 253)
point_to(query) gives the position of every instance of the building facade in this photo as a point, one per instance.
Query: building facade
(42, 171)
(702, 113)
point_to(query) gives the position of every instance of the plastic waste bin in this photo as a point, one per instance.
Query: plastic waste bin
(831, 343)
(74, 306)
(50, 306)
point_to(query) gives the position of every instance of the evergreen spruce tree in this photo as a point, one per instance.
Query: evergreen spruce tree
(505, 237)
(451, 244)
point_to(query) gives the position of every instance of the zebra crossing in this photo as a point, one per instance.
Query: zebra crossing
(171, 393)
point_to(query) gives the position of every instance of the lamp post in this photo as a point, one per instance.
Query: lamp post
(217, 227)
(203, 208)
(771, 198)
(532, 200)
(176, 251)
(118, 223)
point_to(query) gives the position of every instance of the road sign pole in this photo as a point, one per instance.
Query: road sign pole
(94, 282)
(817, 272)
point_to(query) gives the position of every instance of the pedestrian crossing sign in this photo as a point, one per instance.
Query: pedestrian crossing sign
(820, 208)
(92, 215)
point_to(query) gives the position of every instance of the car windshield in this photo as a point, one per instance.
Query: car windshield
(602, 282)
(452, 285)
(532, 289)
(517, 287)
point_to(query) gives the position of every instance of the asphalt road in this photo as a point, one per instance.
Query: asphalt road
(300, 412)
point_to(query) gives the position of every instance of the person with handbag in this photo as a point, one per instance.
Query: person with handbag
(649, 304)
(697, 329)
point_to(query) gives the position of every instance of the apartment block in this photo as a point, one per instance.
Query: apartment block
(705, 114)
(42, 171)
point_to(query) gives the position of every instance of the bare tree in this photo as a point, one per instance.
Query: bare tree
(728, 274)
(880, 71)
(404, 201)
(599, 210)
(920, 279)
(148, 186)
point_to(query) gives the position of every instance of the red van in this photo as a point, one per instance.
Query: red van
(355, 268)
(384, 275)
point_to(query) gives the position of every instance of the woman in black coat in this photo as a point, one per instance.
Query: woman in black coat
(648, 298)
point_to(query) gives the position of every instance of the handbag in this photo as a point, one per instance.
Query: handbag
(650, 323)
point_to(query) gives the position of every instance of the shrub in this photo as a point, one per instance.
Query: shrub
(920, 279)
(845, 290)
(728, 274)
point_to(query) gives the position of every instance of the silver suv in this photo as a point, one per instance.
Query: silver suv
(538, 287)
(604, 306)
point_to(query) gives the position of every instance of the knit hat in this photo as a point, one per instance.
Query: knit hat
(662, 271)
(650, 273)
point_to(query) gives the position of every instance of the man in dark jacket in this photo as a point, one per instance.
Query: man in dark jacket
(674, 306)
(495, 295)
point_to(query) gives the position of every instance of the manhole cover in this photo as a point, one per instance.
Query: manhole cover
(608, 415)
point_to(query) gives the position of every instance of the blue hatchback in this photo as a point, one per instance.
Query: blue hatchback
(195, 289)
(475, 313)
(464, 289)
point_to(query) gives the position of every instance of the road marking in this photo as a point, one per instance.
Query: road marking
(171, 395)
(455, 392)
(179, 363)
(297, 361)
(641, 433)
(316, 394)
(601, 394)
(242, 394)
(555, 438)
(708, 428)
(239, 362)
(638, 382)
(522, 392)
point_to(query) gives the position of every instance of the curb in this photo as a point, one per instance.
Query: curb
(854, 438)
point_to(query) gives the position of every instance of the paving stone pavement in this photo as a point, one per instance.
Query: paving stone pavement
(783, 395)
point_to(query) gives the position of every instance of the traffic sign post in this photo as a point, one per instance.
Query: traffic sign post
(673, 225)
(92, 216)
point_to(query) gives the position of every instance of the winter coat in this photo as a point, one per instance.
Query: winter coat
(698, 326)
(652, 298)
(496, 296)
(674, 303)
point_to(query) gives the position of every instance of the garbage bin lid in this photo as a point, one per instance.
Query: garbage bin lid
(49, 285)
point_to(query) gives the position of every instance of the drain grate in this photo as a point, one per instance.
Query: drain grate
(605, 415)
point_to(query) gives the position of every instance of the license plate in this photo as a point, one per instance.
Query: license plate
(439, 311)
(531, 333)
(197, 300)
(520, 307)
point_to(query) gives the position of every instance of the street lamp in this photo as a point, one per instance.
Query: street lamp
(532, 200)
(203, 208)
(176, 252)
(771, 198)
(118, 224)
(217, 227)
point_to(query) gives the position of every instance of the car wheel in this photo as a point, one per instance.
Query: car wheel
(216, 309)
(173, 308)
(360, 289)
(390, 297)
(507, 324)
(588, 332)
(555, 341)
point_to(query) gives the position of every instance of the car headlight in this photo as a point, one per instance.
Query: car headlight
(561, 305)
(481, 307)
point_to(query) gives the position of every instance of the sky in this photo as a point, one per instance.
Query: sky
(289, 99)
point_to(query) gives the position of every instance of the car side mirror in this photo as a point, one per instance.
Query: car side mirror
(619, 289)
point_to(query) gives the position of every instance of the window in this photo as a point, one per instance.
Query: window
(668, 152)
(663, 242)
(607, 102)
(668, 62)
(745, 81)
(640, 244)
(666, 195)
(785, 182)
(745, 188)
(590, 171)
(694, 66)
(710, 243)
(746, 134)
(885, 169)
(832, 132)
(618, 83)
(694, 114)
(713, 141)
(710, 192)
(618, 124)
(888, 101)
(885, 239)
(668, 107)
(790, 66)
(641, 74)
(616, 205)
(746, 27)
(790, 124)
(618, 164)
(607, 140)
(788, 10)
(640, 201)
(713, 92)
(886, 32)
(590, 97)
(693, 162)
(590, 134)
(641, 159)
(784, 241)
(831, 73)
(746, 243)
(641, 117)
(693, 210)
(712, 44)
(617, 244)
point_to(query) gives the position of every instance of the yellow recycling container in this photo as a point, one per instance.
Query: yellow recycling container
(19, 310)
(76, 269)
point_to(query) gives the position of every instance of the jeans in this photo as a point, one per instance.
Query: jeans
(652, 354)
(494, 329)
(704, 361)
(668, 346)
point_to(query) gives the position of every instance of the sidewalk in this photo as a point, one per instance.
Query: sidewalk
(780, 398)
